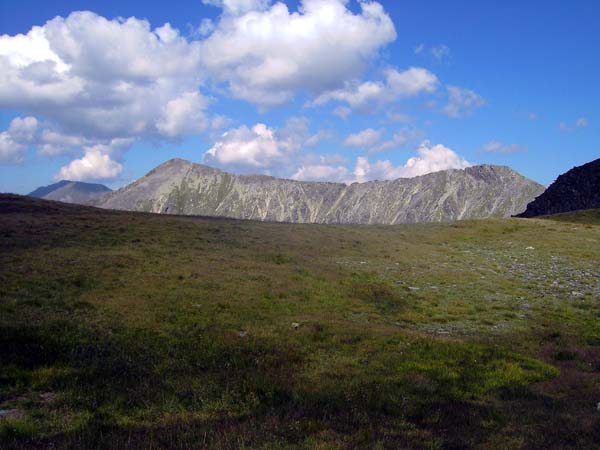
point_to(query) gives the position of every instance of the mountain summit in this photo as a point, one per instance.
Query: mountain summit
(183, 187)
(70, 191)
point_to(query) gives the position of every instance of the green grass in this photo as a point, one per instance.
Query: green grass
(122, 330)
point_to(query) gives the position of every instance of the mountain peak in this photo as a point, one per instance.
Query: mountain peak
(70, 191)
(182, 187)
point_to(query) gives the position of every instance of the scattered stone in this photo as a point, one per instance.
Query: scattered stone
(48, 397)
(295, 325)
(11, 414)
(413, 289)
(243, 334)
(530, 248)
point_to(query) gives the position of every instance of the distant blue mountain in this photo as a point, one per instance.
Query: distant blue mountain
(71, 192)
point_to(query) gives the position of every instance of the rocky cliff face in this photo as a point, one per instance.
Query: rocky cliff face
(579, 188)
(70, 192)
(182, 187)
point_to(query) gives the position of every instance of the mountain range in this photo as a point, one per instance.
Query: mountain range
(183, 187)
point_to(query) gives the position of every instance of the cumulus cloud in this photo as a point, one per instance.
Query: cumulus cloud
(373, 94)
(499, 147)
(11, 152)
(97, 163)
(183, 115)
(462, 102)
(263, 148)
(322, 172)
(363, 139)
(266, 54)
(17, 138)
(91, 80)
(53, 143)
(430, 159)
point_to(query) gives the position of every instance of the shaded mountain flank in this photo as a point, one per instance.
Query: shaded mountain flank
(577, 189)
(70, 192)
(183, 187)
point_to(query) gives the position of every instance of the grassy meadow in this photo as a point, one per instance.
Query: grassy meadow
(137, 331)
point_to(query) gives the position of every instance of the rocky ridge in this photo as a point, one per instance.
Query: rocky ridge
(183, 187)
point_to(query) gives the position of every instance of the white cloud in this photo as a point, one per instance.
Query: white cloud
(183, 115)
(581, 122)
(462, 102)
(236, 7)
(499, 147)
(93, 165)
(365, 138)
(430, 159)
(16, 139)
(370, 94)
(419, 49)
(52, 143)
(265, 55)
(264, 149)
(97, 162)
(91, 80)
(318, 137)
(219, 122)
(11, 152)
(405, 137)
(23, 129)
(322, 172)
(255, 147)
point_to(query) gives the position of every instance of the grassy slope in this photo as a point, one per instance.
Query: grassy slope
(122, 330)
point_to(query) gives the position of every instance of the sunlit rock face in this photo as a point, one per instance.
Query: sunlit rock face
(182, 187)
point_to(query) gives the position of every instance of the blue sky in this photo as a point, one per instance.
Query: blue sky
(315, 90)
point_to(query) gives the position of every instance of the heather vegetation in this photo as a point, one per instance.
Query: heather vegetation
(132, 330)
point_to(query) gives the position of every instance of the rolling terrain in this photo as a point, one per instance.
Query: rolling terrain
(182, 187)
(133, 330)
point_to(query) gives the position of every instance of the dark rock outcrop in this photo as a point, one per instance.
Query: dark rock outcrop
(577, 189)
